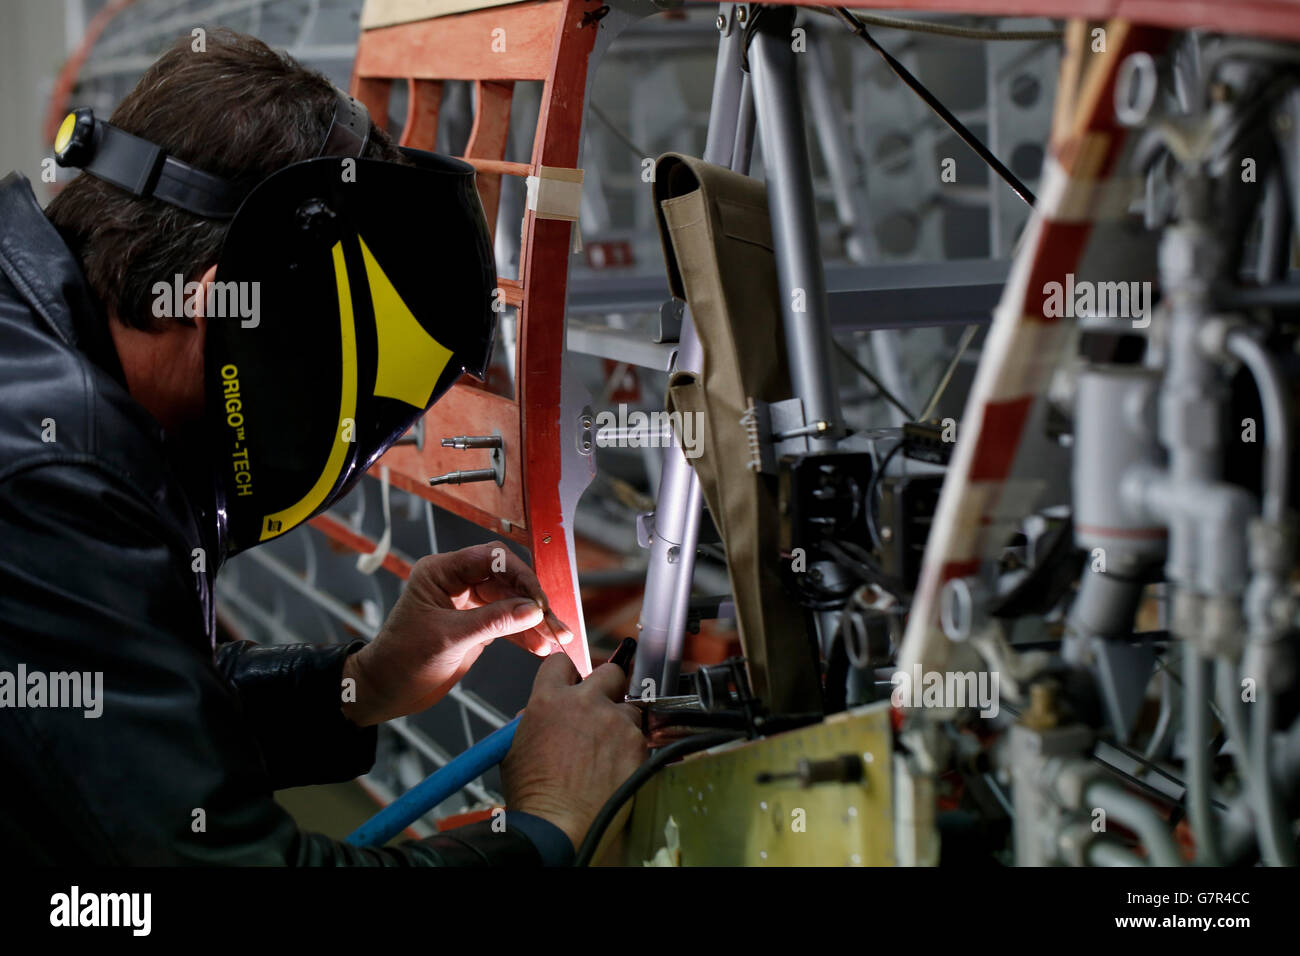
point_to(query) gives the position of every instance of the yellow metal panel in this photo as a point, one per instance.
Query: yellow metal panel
(726, 818)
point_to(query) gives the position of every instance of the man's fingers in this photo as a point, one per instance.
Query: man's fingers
(534, 641)
(498, 619)
(608, 680)
(556, 673)
(631, 713)
(503, 587)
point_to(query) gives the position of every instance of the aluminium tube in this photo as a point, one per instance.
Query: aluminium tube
(1276, 842)
(662, 625)
(1196, 727)
(804, 307)
(1138, 815)
(1272, 396)
(1106, 853)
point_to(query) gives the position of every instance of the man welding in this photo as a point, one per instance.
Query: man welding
(332, 287)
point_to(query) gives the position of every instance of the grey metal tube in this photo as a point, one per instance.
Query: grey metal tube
(1139, 816)
(1227, 691)
(671, 568)
(1196, 724)
(794, 221)
(1239, 823)
(1276, 845)
(1272, 395)
(1106, 853)
(1275, 841)
(743, 152)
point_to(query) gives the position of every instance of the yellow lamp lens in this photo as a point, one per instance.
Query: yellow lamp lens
(65, 133)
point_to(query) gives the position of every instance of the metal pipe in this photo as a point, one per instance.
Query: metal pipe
(1276, 843)
(1106, 853)
(804, 306)
(1139, 816)
(1230, 704)
(1274, 232)
(743, 152)
(670, 571)
(1277, 846)
(1277, 440)
(1196, 723)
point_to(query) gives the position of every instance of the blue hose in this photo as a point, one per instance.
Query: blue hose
(435, 788)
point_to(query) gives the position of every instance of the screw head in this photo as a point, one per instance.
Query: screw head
(722, 22)
(741, 14)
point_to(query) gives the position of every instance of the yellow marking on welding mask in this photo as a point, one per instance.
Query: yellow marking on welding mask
(280, 522)
(65, 133)
(410, 359)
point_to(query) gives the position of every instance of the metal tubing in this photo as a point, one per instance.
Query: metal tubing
(1196, 723)
(1276, 842)
(1139, 816)
(662, 626)
(804, 304)
(743, 152)
(1106, 853)
(1272, 396)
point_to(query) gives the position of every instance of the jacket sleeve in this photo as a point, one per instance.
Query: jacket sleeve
(162, 756)
(292, 696)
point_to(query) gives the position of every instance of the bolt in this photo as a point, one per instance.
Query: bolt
(741, 15)
(722, 21)
(1042, 712)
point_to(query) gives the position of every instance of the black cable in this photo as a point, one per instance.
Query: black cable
(663, 756)
(871, 495)
(956, 125)
(863, 565)
(613, 127)
(862, 370)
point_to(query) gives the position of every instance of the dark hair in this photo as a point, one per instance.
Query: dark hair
(239, 110)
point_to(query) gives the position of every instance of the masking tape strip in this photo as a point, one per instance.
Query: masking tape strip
(555, 193)
(372, 562)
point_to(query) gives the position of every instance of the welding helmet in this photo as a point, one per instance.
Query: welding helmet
(350, 294)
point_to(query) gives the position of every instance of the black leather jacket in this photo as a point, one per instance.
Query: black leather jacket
(97, 539)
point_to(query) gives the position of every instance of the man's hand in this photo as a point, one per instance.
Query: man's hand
(453, 606)
(574, 747)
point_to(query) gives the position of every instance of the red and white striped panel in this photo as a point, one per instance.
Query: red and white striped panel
(1004, 465)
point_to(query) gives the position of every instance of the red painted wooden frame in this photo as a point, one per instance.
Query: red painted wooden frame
(545, 41)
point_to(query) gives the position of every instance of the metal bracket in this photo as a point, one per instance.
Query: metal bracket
(775, 429)
(645, 528)
(670, 321)
(586, 435)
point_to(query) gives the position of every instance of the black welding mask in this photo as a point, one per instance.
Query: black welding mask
(349, 295)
